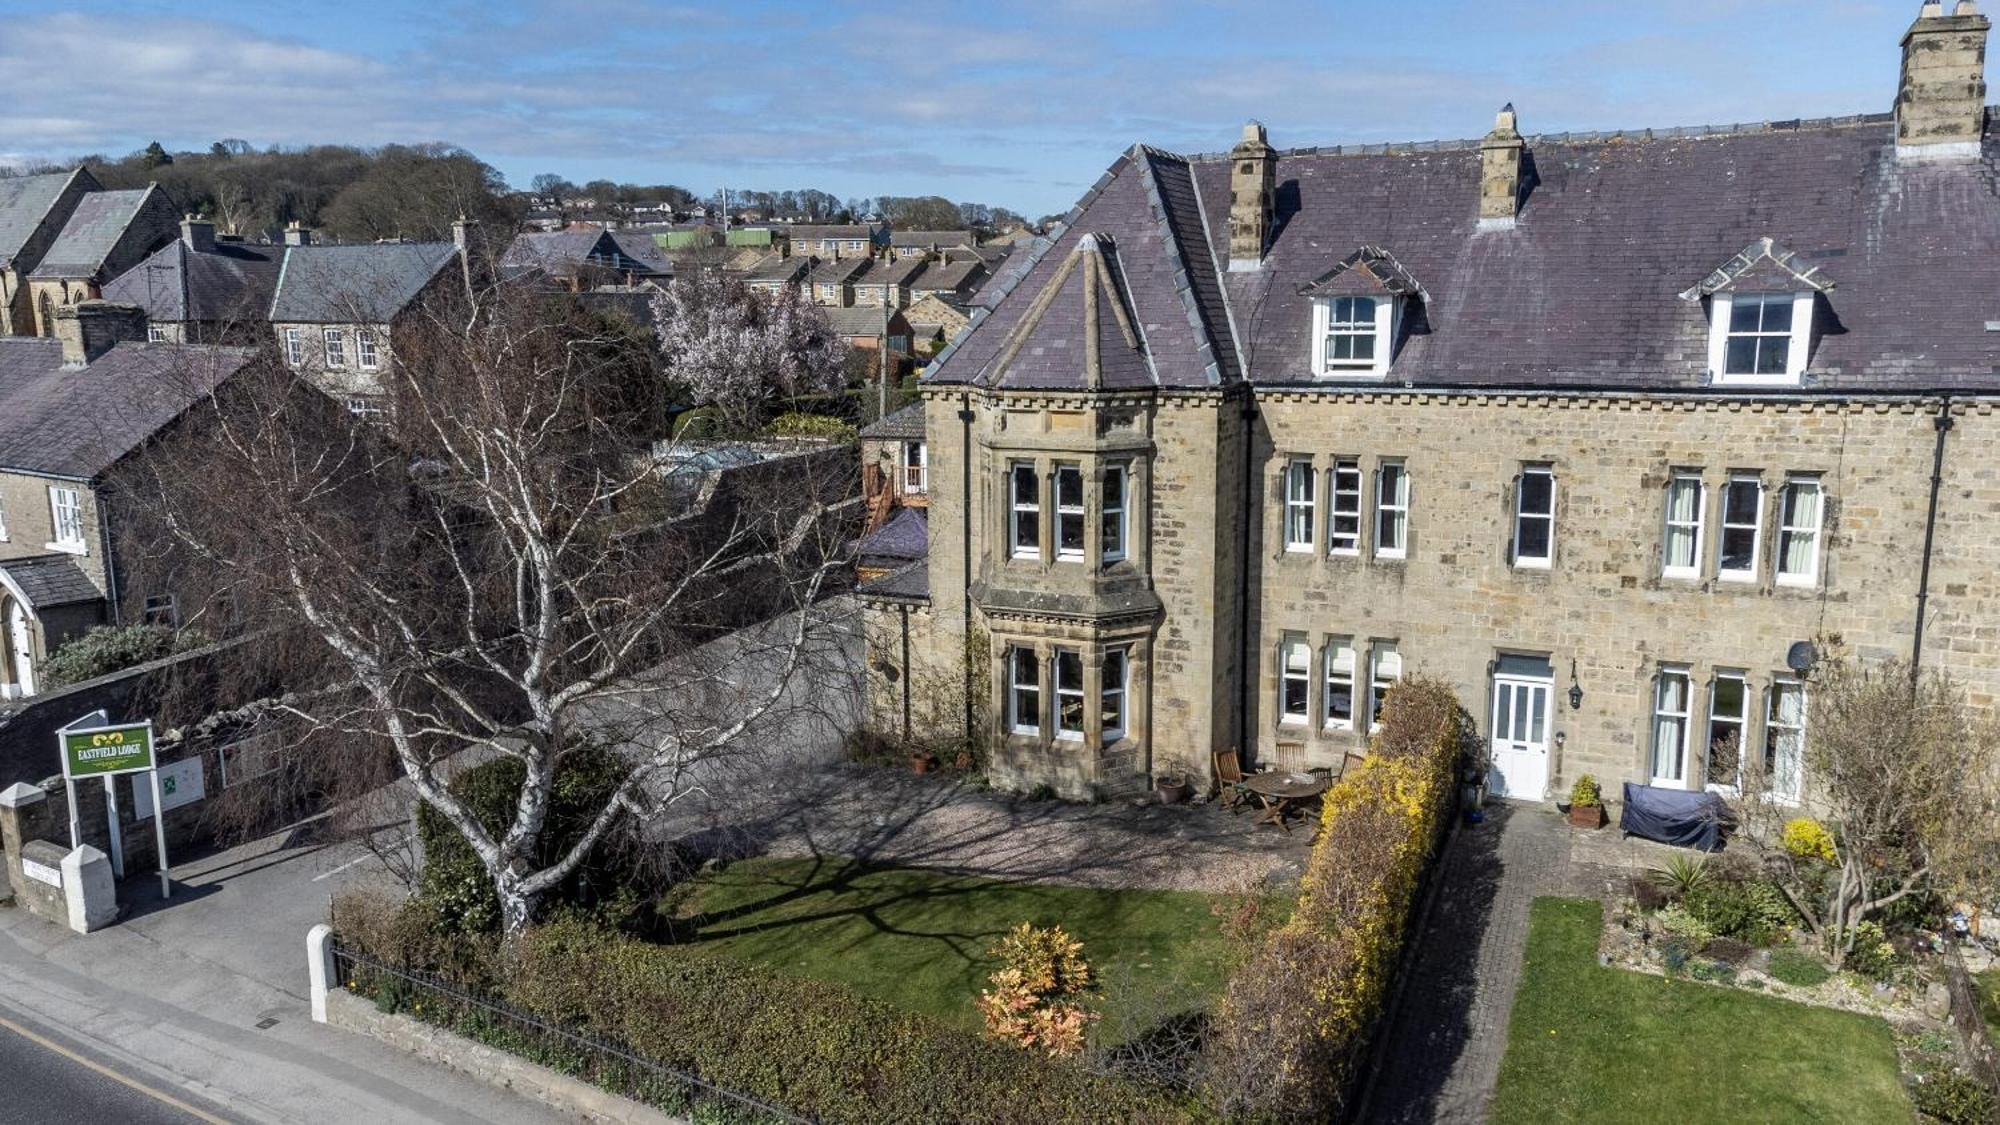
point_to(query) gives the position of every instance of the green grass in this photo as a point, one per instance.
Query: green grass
(919, 938)
(1988, 984)
(1589, 1043)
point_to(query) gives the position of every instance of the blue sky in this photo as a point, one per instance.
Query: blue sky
(1016, 104)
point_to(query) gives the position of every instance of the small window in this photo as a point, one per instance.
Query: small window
(1350, 332)
(1069, 693)
(1760, 335)
(161, 610)
(1392, 511)
(156, 333)
(916, 468)
(1535, 516)
(336, 347)
(364, 350)
(1785, 740)
(1344, 526)
(1728, 722)
(1385, 667)
(1686, 499)
(362, 407)
(66, 518)
(1742, 521)
(1295, 681)
(295, 347)
(1299, 505)
(1112, 694)
(1798, 533)
(1113, 519)
(1024, 691)
(1069, 512)
(1670, 728)
(1339, 702)
(1024, 515)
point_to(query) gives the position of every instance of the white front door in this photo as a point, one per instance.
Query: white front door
(21, 641)
(1520, 738)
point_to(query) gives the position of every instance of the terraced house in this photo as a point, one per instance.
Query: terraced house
(1597, 428)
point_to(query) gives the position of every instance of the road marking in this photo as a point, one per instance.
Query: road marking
(343, 867)
(157, 1095)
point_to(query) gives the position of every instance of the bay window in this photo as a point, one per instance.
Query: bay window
(1112, 519)
(1069, 693)
(1024, 511)
(1299, 505)
(1069, 512)
(1024, 691)
(1111, 694)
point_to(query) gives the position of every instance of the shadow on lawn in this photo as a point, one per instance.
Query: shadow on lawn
(1433, 1027)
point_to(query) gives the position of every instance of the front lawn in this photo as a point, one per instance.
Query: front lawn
(1988, 984)
(919, 938)
(1589, 1043)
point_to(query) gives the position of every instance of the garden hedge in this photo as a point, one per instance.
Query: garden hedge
(1292, 1028)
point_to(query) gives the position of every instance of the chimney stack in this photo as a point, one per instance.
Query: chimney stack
(88, 329)
(1500, 172)
(1252, 177)
(1941, 105)
(198, 234)
(461, 233)
(298, 234)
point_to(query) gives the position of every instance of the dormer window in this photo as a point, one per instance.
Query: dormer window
(1357, 307)
(1760, 315)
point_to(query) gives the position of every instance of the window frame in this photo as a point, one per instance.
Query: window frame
(1079, 512)
(367, 357)
(916, 475)
(1020, 513)
(1063, 693)
(295, 346)
(1659, 712)
(1696, 528)
(1339, 663)
(1121, 689)
(333, 344)
(156, 333)
(1522, 516)
(161, 609)
(1344, 503)
(1016, 690)
(1113, 526)
(1288, 674)
(1780, 685)
(1722, 311)
(63, 498)
(1809, 577)
(1740, 720)
(1381, 654)
(1380, 332)
(1399, 510)
(1299, 511)
(1755, 527)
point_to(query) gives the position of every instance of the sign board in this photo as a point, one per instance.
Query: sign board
(180, 784)
(42, 873)
(104, 751)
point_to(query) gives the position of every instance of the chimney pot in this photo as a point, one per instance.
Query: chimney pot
(1252, 186)
(298, 234)
(1931, 9)
(1941, 100)
(88, 329)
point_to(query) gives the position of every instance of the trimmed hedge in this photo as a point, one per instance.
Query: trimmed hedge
(1291, 1031)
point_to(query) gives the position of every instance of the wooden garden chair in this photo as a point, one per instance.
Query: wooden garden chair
(1229, 771)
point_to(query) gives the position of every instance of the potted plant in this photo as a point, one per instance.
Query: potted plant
(1586, 803)
(1171, 786)
(922, 761)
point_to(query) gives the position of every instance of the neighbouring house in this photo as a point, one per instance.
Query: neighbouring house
(337, 309)
(831, 283)
(585, 258)
(72, 408)
(887, 281)
(33, 210)
(850, 240)
(954, 282)
(201, 289)
(929, 243)
(774, 272)
(866, 327)
(895, 464)
(934, 323)
(1608, 431)
(107, 233)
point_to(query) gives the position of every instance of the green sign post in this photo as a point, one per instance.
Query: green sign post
(107, 750)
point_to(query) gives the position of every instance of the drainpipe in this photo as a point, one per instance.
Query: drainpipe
(965, 540)
(1248, 672)
(1942, 423)
(906, 673)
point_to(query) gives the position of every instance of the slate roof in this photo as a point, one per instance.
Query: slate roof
(838, 272)
(859, 320)
(78, 423)
(367, 283)
(911, 583)
(46, 581)
(25, 203)
(777, 267)
(816, 232)
(1583, 293)
(928, 238)
(232, 282)
(948, 277)
(892, 271)
(563, 253)
(906, 537)
(906, 424)
(92, 233)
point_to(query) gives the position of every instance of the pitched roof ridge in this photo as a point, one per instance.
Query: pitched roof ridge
(1608, 136)
(1183, 278)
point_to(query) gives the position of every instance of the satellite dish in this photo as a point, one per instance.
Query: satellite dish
(1800, 657)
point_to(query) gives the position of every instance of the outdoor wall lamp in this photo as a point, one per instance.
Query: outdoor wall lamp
(1575, 688)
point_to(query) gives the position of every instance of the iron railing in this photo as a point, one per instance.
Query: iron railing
(603, 1062)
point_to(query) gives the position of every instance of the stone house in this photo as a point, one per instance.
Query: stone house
(583, 259)
(845, 240)
(933, 320)
(337, 309)
(867, 328)
(1614, 433)
(922, 244)
(201, 289)
(831, 283)
(774, 272)
(887, 282)
(72, 408)
(953, 282)
(106, 234)
(33, 210)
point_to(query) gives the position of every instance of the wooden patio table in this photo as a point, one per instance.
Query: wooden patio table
(1278, 793)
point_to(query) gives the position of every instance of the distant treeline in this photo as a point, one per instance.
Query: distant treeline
(353, 194)
(810, 205)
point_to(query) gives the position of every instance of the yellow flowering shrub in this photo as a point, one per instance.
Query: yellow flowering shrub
(1806, 838)
(1290, 1029)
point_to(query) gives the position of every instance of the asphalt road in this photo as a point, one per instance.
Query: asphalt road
(52, 1082)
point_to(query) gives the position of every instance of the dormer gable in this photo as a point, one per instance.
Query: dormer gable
(1358, 308)
(1760, 315)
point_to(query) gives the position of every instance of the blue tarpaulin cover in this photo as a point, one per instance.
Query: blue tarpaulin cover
(1674, 816)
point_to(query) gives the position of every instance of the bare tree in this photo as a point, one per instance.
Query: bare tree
(1905, 774)
(737, 349)
(496, 569)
